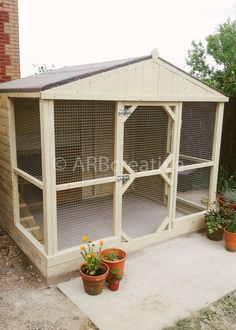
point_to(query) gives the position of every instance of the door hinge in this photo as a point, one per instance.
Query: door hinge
(122, 178)
(124, 112)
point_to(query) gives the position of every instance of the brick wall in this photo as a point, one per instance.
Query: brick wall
(9, 41)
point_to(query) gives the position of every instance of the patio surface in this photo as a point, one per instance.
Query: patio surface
(162, 284)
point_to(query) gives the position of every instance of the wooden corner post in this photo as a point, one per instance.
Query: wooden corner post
(118, 170)
(175, 149)
(49, 176)
(216, 151)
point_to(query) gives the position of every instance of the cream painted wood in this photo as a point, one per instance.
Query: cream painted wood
(29, 178)
(196, 159)
(169, 111)
(142, 81)
(49, 176)
(73, 253)
(183, 227)
(24, 95)
(131, 110)
(125, 236)
(118, 170)
(127, 184)
(163, 170)
(216, 151)
(85, 183)
(188, 218)
(195, 166)
(190, 203)
(127, 167)
(176, 147)
(15, 192)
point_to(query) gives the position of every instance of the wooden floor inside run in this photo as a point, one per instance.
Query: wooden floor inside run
(93, 217)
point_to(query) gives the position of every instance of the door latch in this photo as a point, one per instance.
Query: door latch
(122, 178)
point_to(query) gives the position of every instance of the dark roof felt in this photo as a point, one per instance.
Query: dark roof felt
(54, 78)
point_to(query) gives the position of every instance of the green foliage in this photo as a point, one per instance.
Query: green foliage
(43, 68)
(229, 196)
(215, 61)
(115, 276)
(216, 218)
(91, 257)
(226, 180)
(112, 255)
(231, 224)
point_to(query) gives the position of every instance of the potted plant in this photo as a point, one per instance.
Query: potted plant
(215, 219)
(114, 281)
(228, 197)
(114, 258)
(230, 234)
(93, 272)
(226, 188)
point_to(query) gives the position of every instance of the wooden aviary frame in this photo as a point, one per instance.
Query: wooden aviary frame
(128, 114)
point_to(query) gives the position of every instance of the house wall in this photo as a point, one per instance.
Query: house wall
(9, 41)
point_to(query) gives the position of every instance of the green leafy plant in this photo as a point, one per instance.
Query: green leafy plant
(225, 181)
(213, 60)
(112, 256)
(217, 217)
(231, 224)
(213, 221)
(92, 259)
(115, 276)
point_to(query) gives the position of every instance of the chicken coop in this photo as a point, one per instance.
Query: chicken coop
(126, 151)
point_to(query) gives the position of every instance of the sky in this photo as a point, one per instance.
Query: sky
(72, 32)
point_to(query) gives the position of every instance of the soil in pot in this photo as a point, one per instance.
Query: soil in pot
(230, 241)
(119, 263)
(216, 236)
(93, 285)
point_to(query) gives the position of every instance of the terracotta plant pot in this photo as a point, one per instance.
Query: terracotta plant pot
(216, 236)
(230, 241)
(116, 264)
(93, 285)
(114, 285)
(221, 201)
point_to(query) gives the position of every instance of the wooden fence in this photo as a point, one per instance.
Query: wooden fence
(228, 145)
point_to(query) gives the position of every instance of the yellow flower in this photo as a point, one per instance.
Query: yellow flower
(101, 242)
(82, 248)
(89, 256)
(85, 238)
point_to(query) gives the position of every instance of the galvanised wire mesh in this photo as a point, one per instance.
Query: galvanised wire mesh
(84, 140)
(193, 190)
(197, 132)
(31, 208)
(28, 138)
(144, 206)
(84, 211)
(146, 138)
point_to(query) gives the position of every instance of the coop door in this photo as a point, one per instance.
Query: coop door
(147, 169)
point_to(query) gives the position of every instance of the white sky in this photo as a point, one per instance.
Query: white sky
(71, 32)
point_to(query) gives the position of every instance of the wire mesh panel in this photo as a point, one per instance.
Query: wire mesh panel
(146, 138)
(31, 208)
(84, 211)
(28, 139)
(144, 206)
(84, 140)
(197, 132)
(193, 190)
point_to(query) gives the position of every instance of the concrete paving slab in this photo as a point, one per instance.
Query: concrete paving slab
(162, 283)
